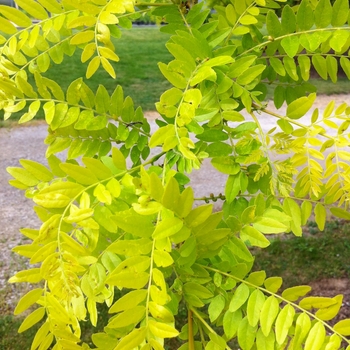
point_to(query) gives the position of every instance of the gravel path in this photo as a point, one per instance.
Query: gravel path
(26, 142)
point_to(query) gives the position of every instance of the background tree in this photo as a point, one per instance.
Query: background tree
(110, 223)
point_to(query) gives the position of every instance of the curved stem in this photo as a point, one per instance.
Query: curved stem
(205, 324)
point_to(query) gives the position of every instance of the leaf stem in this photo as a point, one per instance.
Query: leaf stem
(109, 116)
(190, 330)
(292, 121)
(200, 318)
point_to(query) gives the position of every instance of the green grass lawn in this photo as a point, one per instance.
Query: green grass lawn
(139, 49)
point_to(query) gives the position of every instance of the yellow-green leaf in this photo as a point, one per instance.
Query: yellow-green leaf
(284, 322)
(82, 37)
(254, 237)
(108, 53)
(239, 297)
(316, 337)
(317, 302)
(162, 330)
(15, 16)
(294, 293)
(299, 107)
(268, 314)
(167, 227)
(33, 8)
(32, 319)
(129, 300)
(128, 317)
(108, 67)
(28, 300)
(93, 66)
(343, 327)
(132, 340)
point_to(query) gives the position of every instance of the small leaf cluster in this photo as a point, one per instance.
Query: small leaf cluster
(114, 198)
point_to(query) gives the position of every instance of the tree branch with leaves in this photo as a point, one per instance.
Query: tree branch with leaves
(136, 226)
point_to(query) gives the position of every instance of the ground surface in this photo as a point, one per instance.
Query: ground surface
(26, 142)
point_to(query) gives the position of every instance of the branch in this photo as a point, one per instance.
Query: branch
(279, 297)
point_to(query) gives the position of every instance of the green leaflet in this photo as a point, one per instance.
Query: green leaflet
(339, 13)
(254, 307)
(162, 258)
(320, 65)
(323, 13)
(273, 284)
(302, 328)
(216, 306)
(253, 237)
(15, 16)
(130, 221)
(128, 317)
(320, 216)
(38, 170)
(269, 312)
(317, 302)
(226, 165)
(80, 174)
(129, 301)
(305, 16)
(283, 323)
(288, 20)
(32, 319)
(343, 327)
(294, 293)
(292, 209)
(33, 8)
(27, 300)
(316, 337)
(203, 73)
(162, 330)
(197, 290)
(173, 77)
(231, 322)
(129, 279)
(239, 298)
(167, 227)
(58, 194)
(290, 45)
(273, 24)
(265, 342)
(135, 247)
(246, 334)
(300, 107)
(133, 339)
(250, 74)
(161, 313)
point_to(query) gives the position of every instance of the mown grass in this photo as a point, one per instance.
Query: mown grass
(139, 49)
(315, 256)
